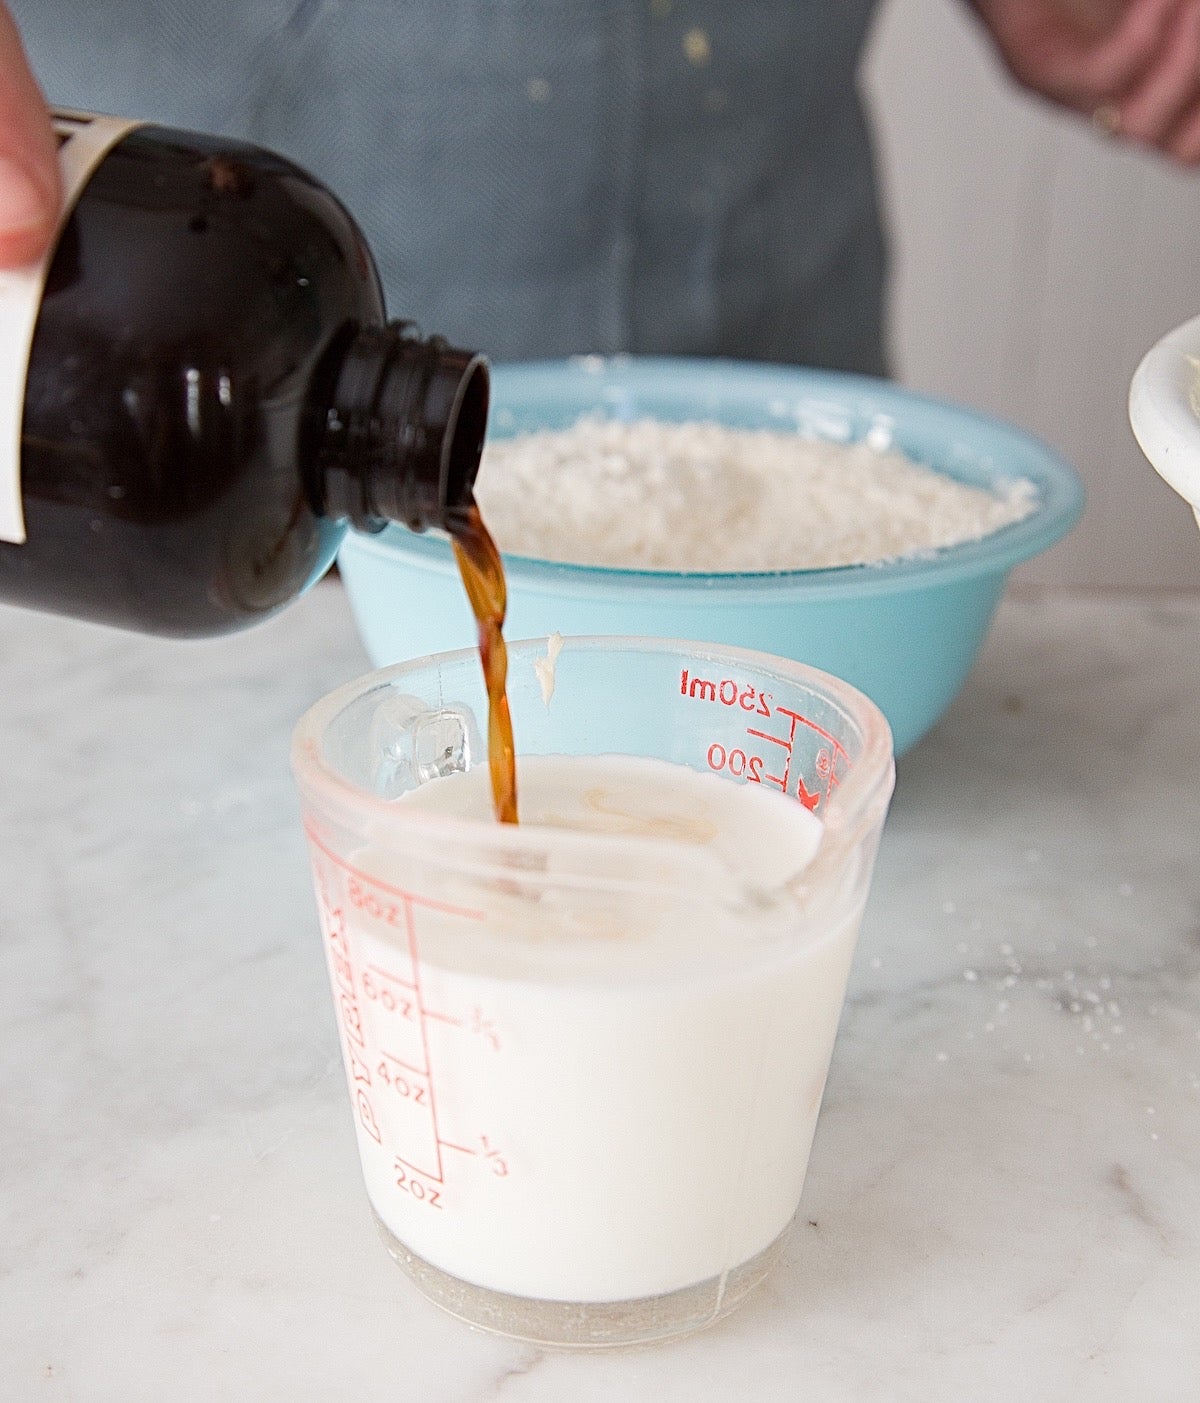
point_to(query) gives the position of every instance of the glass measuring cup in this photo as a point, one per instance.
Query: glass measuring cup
(586, 1067)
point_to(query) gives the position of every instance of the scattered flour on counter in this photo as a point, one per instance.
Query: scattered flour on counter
(702, 497)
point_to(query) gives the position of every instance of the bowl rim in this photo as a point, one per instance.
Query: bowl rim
(1060, 493)
(1164, 408)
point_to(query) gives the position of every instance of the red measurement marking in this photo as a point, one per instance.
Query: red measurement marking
(727, 690)
(416, 1168)
(349, 1015)
(492, 1156)
(797, 719)
(781, 781)
(806, 796)
(485, 1028)
(406, 984)
(408, 1066)
(416, 1183)
(394, 978)
(443, 1018)
(741, 764)
(414, 957)
(480, 1025)
(462, 1149)
(414, 897)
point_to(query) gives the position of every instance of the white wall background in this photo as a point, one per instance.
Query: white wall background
(1034, 261)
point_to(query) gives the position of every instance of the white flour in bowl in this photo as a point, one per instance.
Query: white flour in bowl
(701, 497)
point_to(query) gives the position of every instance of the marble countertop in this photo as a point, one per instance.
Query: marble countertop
(1003, 1199)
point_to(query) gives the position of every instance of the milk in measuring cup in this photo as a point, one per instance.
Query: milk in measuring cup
(597, 1080)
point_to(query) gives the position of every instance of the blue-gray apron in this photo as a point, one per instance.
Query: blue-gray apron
(542, 177)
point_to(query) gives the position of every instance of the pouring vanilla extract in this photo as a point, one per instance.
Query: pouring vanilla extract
(200, 392)
(482, 570)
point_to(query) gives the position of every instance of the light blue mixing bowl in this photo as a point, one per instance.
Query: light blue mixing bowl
(905, 633)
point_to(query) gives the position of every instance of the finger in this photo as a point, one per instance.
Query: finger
(1107, 69)
(1092, 19)
(1183, 143)
(29, 179)
(1155, 106)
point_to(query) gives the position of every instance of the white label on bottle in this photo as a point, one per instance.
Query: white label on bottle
(84, 139)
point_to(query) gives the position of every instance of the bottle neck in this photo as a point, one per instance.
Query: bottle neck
(403, 430)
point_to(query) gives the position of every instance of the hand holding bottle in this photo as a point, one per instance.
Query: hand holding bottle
(29, 180)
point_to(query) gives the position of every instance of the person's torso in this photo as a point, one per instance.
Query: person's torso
(541, 177)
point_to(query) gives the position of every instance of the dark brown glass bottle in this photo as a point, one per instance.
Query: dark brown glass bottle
(213, 395)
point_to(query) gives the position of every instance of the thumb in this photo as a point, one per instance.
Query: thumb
(29, 182)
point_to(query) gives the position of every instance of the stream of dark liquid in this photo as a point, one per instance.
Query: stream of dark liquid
(482, 572)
